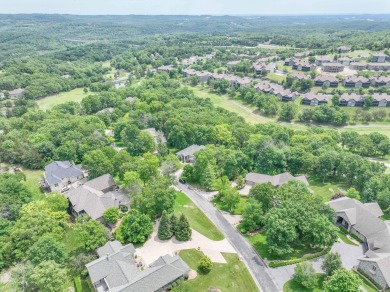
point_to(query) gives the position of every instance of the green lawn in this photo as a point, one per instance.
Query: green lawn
(198, 220)
(292, 286)
(345, 239)
(276, 78)
(71, 240)
(223, 102)
(74, 95)
(32, 177)
(386, 216)
(328, 189)
(366, 284)
(232, 276)
(258, 241)
(238, 210)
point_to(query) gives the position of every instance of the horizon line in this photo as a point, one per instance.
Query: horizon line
(236, 15)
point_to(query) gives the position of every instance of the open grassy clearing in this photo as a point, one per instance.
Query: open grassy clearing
(249, 113)
(198, 220)
(232, 276)
(328, 189)
(48, 102)
(292, 286)
(32, 177)
(259, 242)
(224, 102)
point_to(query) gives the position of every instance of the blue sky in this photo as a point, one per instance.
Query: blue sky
(124, 7)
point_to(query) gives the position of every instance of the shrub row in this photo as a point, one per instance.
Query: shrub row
(371, 280)
(296, 261)
(354, 236)
(77, 284)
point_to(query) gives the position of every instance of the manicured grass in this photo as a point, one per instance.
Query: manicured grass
(367, 130)
(345, 239)
(223, 102)
(292, 286)
(238, 210)
(328, 189)
(74, 95)
(367, 285)
(232, 276)
(259, 242)
(32, 177)
(198, 220)
(71, 240)
(276, 78)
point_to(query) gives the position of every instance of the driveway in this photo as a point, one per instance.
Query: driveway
(155, 248)
(349, 255)
(248, 255)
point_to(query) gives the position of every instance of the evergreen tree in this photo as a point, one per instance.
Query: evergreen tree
(183, 230)
(173, 224)
(208, 177)
(164, 229)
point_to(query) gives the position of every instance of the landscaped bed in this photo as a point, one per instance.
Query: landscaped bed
(198, 220)
(292, 286)
(259, 242)
(232, 276)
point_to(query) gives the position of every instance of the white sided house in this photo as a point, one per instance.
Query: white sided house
(364, 221)
(61, 174)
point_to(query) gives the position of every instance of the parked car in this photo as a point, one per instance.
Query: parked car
(65, 189)
(182, 181)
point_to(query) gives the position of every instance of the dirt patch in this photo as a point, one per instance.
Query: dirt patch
(192, 275)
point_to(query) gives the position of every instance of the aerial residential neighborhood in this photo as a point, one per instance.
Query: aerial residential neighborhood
(214, 146)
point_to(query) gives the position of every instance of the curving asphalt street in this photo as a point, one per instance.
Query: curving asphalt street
(247, 254)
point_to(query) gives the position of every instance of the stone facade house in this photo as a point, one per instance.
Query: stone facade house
(343, 50)
(358, 66)
(381, 99)
(379, 57)
(116, 270)
(364, 221)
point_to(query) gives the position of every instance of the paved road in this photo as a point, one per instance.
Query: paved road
(247, 254)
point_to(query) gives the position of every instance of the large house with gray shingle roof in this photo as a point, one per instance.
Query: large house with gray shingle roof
(60, 174)
(276, 180)
(116, 270)
(188, 154)
(363, 221)
(96, 196)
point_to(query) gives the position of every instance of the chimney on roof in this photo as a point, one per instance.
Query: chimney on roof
(107, 256)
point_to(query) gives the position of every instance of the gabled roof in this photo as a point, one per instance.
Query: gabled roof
(157, 136)
(324, 78)
(91, 199)
(189, 151)
(364, 218)
(56, 171)
(276, 180)
(313, 96)
(119, 271)
(351, 96)
(356, 79)
(101, 183)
